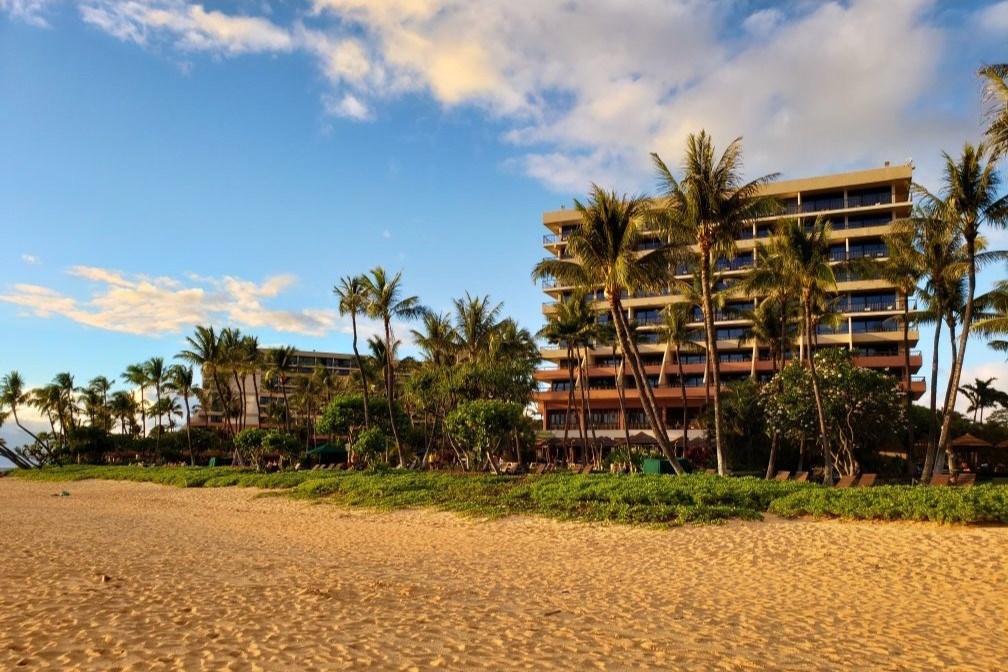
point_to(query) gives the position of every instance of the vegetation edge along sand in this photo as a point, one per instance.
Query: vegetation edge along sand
(625, 499)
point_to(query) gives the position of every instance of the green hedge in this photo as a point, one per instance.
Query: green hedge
(635, 499)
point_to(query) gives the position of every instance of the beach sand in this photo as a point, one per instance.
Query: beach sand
(139, 576)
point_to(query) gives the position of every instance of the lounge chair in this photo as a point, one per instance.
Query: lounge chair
(710, 471)
(539, 468)
(586, 469)
(846, 481)
(867, 480)
(940, 480)
(782, 476)
(801, 477)
(965, 480)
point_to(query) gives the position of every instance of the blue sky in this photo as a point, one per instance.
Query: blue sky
(167, 163)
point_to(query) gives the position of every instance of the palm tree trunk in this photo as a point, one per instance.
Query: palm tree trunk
(943, 442)
(827, 453)
(360, 369)
(582, 412)
(772, 462)
(188, 430)
(25, 429)
(643, 389)
(712, 358)
(911, 462)
(586, 396)
(620, 395)
(929, 457)
(570, 401)
(682, 390)
(390, 386)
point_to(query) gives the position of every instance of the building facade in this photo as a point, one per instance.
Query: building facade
(861, 207)
(242, 393)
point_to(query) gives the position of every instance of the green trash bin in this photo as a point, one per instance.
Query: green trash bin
(213, 461)
(655, 465)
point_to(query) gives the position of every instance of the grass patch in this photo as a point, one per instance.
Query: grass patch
(628, 499)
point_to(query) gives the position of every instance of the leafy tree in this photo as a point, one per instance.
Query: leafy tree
(484, 426)
(257, 445)
(709, 207)
(343, 416)
(370, 444)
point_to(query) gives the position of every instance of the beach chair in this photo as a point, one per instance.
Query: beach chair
(782, 476)
(867, 480)
(710, 471)
(846, 481)
(586, 469)
(539, 468)
(801, 477)
(940, 480)
(965, 480)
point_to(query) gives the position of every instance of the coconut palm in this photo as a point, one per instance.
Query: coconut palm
(205, 352)
(969, 199)
(386, 302)
(353, 300)
(156, 374)
(279, 367)
(678, 336)
(437, 338)
(475, 322)
(605, 252)
(983, 395)
(180, 381)
(13, 394)
(995, 78)
(993, 319)
(802, 259)
(709, 207)
(123, 406)
(136, 375)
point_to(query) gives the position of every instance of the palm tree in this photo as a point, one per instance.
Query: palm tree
(605, 252)
(205, 352)
(803, 260)
(136, 375)
(475, 322)
(993, 319)
(675, 330)
(13, 394)
(180, 380)
(100, 386)
(996, 94)
(437, 338)
(156, 374)
(983, 395)
(565, 326)
(232, 349)
(385, 302)
(709, 207)
(279, 367)
(969, 198)
(123, 406)
(353, 300)
(605, 332)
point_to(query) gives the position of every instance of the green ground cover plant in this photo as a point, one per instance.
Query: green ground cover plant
(627, 499)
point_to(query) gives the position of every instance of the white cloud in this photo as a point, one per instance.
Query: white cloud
(29, 11)
(30, 259)
(154, 306)
(584, 90)
(386, 234)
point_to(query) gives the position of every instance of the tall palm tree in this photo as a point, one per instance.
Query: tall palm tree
(565, 326)
(675, 330)
(709, 207)
(136, 375)
(475, 322)
(232, 348)
(353, 301)
(205, 352)
(14, 394)
(386, 302)
(156, 373)
(993, 320)
(100, 386)
(180, 380)
(969, 198)
(995, 78)
(279, 367)
(437, 338)
(123, 406)
(983, 395)
(606, 333)
(605, 252)
(803, 259)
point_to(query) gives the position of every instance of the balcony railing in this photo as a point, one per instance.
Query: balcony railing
(553, 238)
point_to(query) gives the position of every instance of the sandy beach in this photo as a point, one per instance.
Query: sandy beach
(135, 576)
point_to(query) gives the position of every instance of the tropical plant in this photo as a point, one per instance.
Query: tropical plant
(12, 395)
(969, 199)
(385, 302)
(605, 252)
(279, 367)
(678, 336)
(353, 301)
(709, 207)
(995, 79)
(483, 426)
(205, 352)
(156, 374)
(475, 324)
(983, 395)
(180, 381)
(993, 318)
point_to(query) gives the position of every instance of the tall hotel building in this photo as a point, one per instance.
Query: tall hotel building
(860, 206)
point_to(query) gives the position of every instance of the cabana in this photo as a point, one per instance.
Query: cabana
(967, 449)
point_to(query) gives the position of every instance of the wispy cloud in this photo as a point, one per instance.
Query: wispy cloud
(154, 306)
(31, 259)
(585, 90)
(29, 11)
